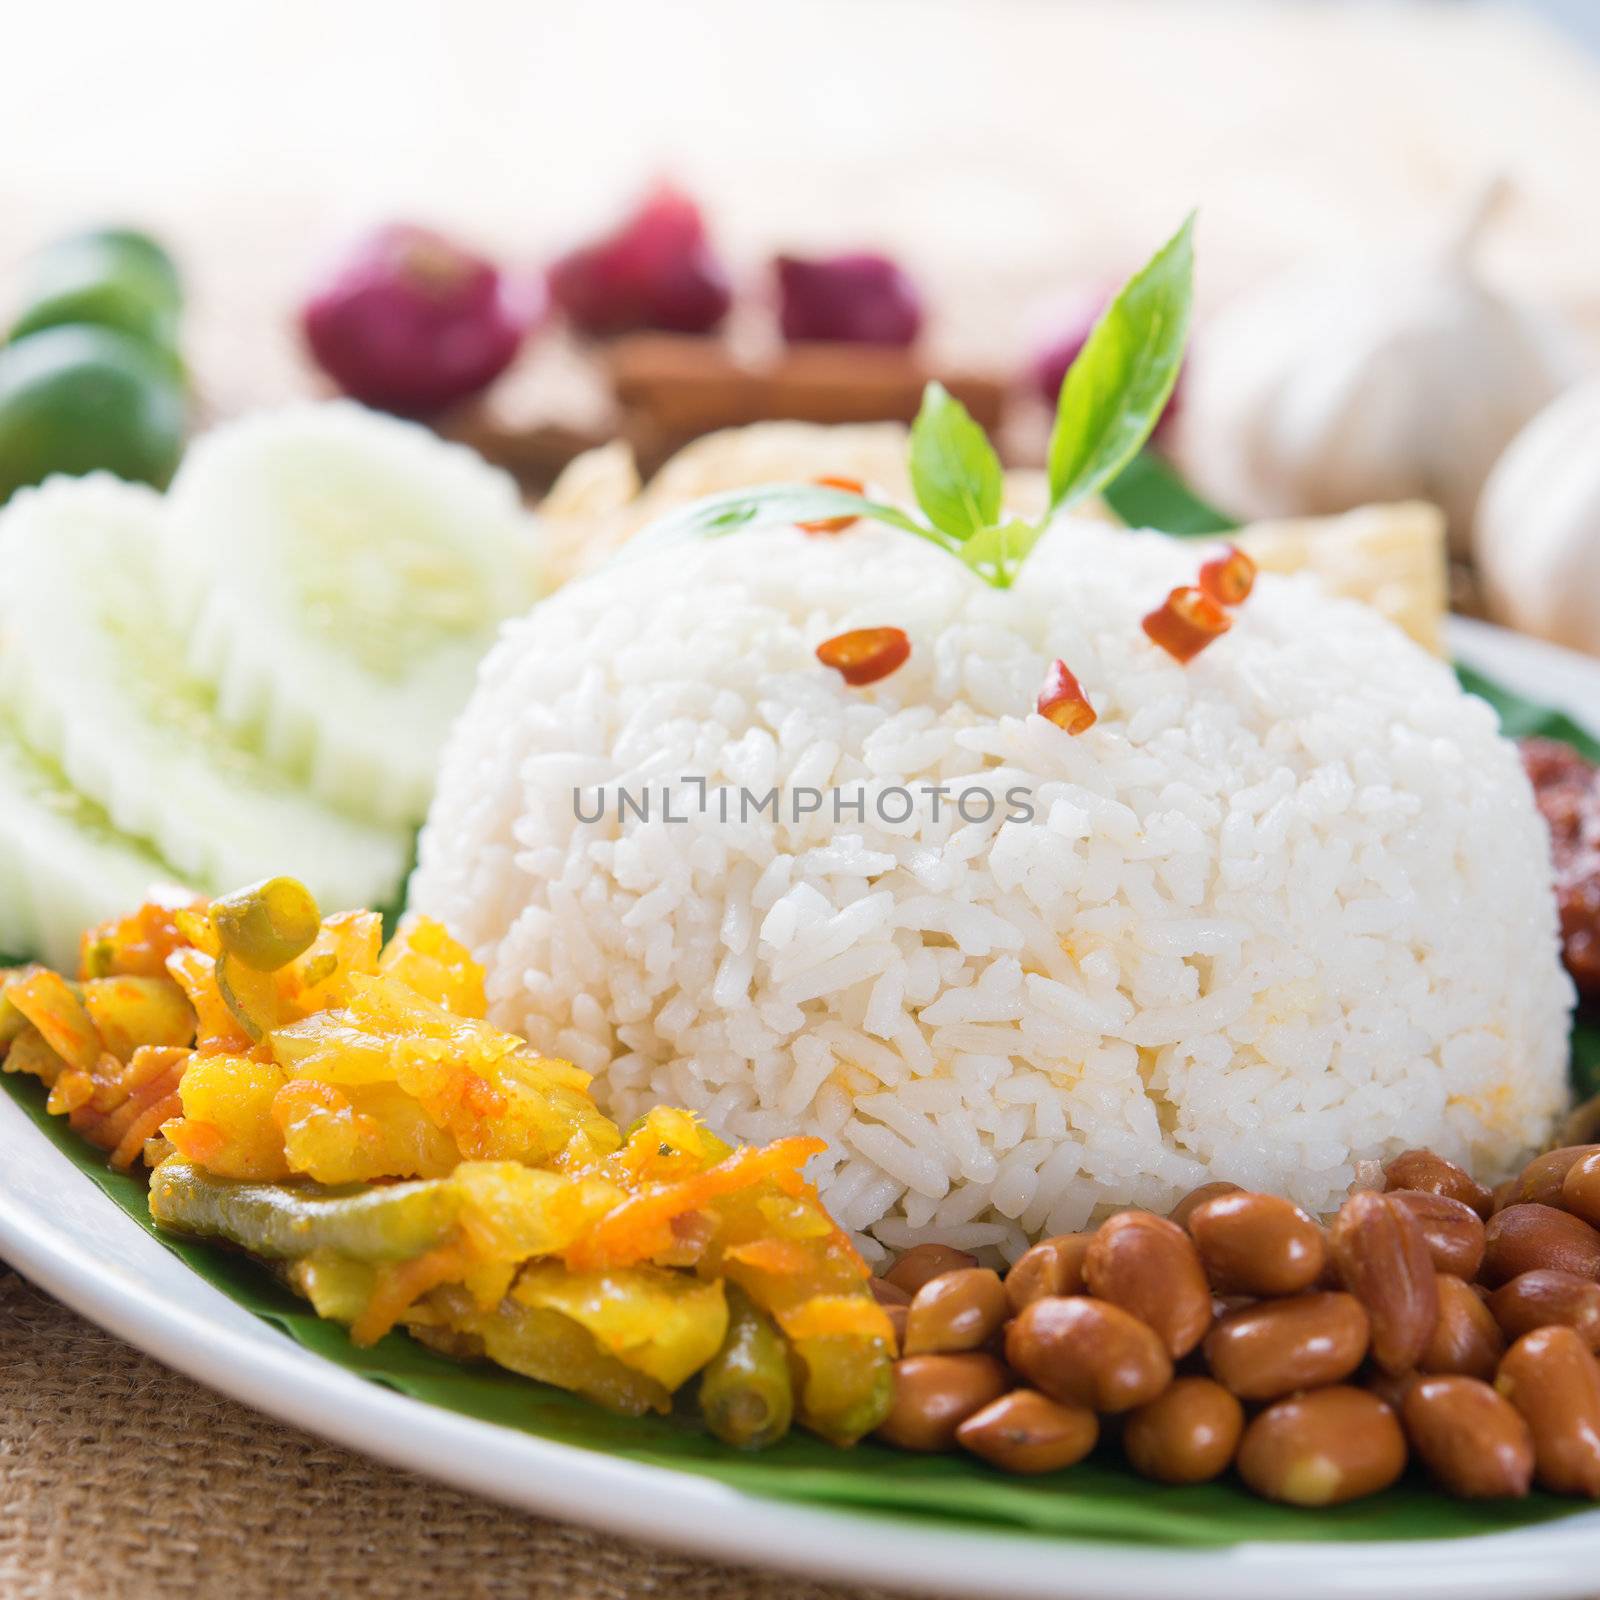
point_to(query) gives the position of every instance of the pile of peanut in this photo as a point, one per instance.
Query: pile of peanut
(1434, 1320)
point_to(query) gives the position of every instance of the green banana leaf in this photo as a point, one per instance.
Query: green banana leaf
(1098, 1499)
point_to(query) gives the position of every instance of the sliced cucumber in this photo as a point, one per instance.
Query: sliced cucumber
(95, 677)
(63, 867)
(340, 574)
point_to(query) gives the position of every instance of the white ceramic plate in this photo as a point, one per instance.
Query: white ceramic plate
(59, 1230)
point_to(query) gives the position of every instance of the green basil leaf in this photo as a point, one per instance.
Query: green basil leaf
(1113, 394)
(954, 471)
(772, 505)
(997, 552)
(1147, 493)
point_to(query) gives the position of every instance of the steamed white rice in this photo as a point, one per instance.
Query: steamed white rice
(1279, 912)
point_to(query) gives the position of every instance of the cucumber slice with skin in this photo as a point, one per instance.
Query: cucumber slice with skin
(96, 680)
(340, 574)
(63, 867)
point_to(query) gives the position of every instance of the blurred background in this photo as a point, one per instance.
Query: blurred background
(1011, 158)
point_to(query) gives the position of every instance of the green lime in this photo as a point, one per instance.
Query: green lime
(103, 253)
(81, 399)
(127, 304)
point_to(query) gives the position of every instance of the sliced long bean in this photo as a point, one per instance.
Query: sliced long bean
(746, 1393)
(389, 1222)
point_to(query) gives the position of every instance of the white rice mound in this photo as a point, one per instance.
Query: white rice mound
(1281, 911)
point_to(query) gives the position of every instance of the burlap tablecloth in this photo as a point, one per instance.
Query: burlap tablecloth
(121, 1480)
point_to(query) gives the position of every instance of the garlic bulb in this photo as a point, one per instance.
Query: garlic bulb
(1537, 538)
(1385, 377)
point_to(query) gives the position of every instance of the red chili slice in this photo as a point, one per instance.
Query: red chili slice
(835, 524)
(1186, 623)
(865, 654)
(1063, 701)
(1229, 578)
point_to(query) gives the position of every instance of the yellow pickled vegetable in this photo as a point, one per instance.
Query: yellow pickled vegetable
(28, 1053)
(137, 946)
(343, 1109)
(12, 1021)
(357, 1133)
(430, 962)
(50, 1003)
(227, 1125)
(348, 944)
(132, 1011)
(664, 1324)
(494, 1097)
(216, 1027)
(513, 1213)
(543, 1344)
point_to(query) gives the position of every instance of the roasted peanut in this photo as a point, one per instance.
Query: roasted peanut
(924, 1261)
(1546, 1299)
(1390, 1388)
(1529, 1237)
(1580, 1189)
(1279, 1346)
(1466, 1338)
(1323, 1448)
(1431, 1173)
(1452, 1230)
(1382, 1258)
(1150, 1267)
(1186, 1207)
(897, 1323)
(1053, 1266)
(958, 1310)
(1086, 1352)
(1581, 1123)
(895, 1302)
(1471, 1438)
(1257, 1244)
(1539, 1183)
(934, 1395)
(1187, 1435)
(1028, 1432)
(1551, 1378)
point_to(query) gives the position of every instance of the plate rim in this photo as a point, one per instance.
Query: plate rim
(237, 1354)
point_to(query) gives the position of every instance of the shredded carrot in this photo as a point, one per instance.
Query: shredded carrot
(780, 1257)
(108, 1129)
(146, 1064)
(404, 1282)
(851, 1316)
(144, 1127)
(641, 1226)
(73, 1088)
(201, 1142)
